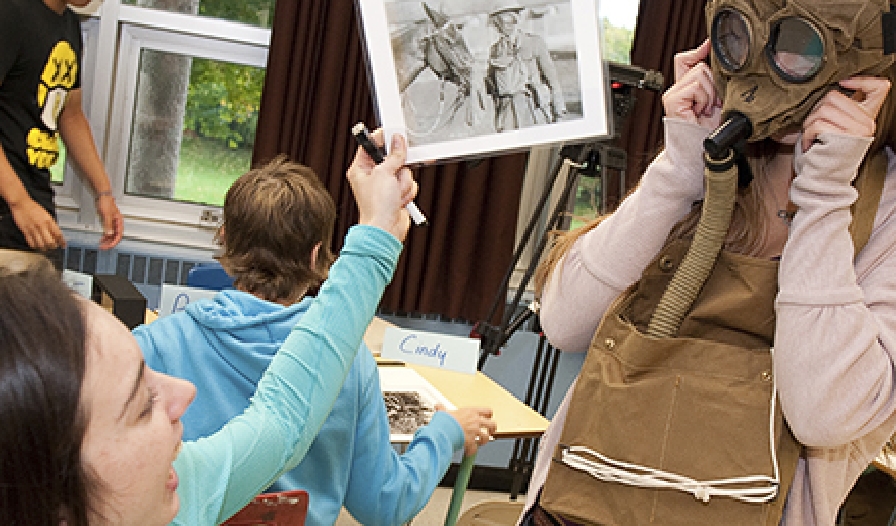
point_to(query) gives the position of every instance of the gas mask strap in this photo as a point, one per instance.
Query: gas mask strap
(888, 25)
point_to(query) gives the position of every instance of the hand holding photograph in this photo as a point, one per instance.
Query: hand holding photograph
(472, 78)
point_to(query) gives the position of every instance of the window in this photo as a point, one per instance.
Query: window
(254, 12)
(618, 21)
(66, 184)
(175, 87)
(89, 31)
(618, 25)
(188, 106)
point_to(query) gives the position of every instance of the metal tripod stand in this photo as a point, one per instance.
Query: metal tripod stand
(574, 162)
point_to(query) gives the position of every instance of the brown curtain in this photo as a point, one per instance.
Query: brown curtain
(664, 28)
(316, 90)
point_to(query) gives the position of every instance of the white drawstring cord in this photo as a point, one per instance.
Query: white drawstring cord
(754, 489)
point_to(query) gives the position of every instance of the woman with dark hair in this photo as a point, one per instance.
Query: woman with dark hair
(91, 436)
(43, 427)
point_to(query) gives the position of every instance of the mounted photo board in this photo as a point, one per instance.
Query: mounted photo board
(476, 78)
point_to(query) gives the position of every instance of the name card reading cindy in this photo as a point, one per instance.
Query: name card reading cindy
(430, 348)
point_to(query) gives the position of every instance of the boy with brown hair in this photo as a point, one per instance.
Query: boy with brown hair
(278, 222)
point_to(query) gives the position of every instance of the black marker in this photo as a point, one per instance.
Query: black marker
(378, 155)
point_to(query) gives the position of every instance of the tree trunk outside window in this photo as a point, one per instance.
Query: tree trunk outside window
(162, 82)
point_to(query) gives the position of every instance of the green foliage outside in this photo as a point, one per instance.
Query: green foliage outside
(223, 102)
(56, 171)
(223, 98)
(206, 169)
(617, 48)
(255, 12)
(617, 43)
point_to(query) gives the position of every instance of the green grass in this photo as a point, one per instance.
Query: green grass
(206, 170)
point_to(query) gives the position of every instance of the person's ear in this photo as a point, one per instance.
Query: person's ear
(314, 255)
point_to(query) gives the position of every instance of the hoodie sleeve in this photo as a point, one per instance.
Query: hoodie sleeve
(152, 353)
(222, 473)
(386, 488)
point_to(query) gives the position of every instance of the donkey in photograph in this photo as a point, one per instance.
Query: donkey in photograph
(437, 44)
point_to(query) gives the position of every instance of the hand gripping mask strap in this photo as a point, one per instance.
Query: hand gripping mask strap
(773, 60)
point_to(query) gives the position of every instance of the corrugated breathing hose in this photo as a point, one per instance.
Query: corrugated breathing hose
(721, 187)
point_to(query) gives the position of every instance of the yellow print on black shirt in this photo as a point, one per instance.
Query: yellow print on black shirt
(56, 81)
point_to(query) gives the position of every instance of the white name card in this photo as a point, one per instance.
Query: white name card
(79, 282)
(433, 349)
(175, 298)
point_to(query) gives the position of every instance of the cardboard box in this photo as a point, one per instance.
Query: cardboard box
(119, 296)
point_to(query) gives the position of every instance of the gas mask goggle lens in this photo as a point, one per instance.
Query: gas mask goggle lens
(773, 60)
(794, 51)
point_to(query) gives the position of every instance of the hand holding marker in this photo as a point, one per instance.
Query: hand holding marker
(378, 155)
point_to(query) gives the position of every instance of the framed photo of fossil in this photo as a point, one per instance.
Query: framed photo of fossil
(410, 401)
(474, 78)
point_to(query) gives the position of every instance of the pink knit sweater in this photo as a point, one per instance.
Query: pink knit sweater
(835, 339)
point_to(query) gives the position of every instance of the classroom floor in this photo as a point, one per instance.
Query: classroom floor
(435, 511)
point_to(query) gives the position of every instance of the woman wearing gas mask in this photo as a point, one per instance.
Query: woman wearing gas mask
(772, 387)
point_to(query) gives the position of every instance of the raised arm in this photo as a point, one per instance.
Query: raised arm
(78, 138)
(609, 258)
(221, 473)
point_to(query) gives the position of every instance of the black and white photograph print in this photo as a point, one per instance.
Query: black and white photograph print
(410, 401)
(407, 411)
(473, 78)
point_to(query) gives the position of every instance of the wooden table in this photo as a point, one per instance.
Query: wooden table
(514, 418)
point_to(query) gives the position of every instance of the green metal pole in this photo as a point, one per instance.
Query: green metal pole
(460, 487)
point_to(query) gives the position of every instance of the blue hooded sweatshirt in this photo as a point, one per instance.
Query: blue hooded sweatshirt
(224, 345)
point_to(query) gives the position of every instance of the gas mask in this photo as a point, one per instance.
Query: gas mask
(772, 60)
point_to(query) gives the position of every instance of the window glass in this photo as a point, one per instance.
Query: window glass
(618, 25)
(193, 126)
(89, 30)
(254, 12)
(58, 169)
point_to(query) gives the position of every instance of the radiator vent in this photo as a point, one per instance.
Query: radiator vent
(138, 268)
(81, 259)
(147, 272)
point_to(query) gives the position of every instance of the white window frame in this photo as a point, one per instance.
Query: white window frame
(114, 39)
(133, 41)
(68, 193)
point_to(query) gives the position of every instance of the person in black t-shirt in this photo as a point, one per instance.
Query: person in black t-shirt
(40, 102)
